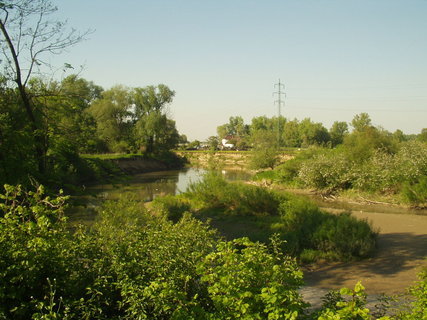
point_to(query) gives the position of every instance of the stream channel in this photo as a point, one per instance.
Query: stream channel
(402, 240)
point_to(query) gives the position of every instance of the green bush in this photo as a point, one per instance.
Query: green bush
(418, 307)
(235, 198)
(264, 157)
(342, 236)
(346, 236)
(247, 281)
(171, 207)
(415, 193)
(326, 171)
(37, 251)
(302, 224)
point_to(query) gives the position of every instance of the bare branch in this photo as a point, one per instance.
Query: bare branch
(35, 35)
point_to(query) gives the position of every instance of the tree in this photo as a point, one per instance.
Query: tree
(16, 153)
(291, 134)
(65, 109)
(213, 143)
(337, 132)
(28, 36)
(265, 149)
(235, 127)
(114, 118)
(361, 122)
(313, 133)
(399, 136)
(150, 105)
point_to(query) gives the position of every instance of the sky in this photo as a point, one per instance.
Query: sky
(336, 58)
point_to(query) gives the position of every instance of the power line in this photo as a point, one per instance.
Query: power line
(279, 103)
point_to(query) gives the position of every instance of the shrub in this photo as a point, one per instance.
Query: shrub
(348, 304)
(326, 172)
(245, 280)
(235, 198)
(416, 193)
(171, 207)
(153, 261)
(264, 157)
(307, 227)
(37, 251)
(418, 308)
(346, 236)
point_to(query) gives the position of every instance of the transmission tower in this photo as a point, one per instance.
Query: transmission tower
(279, 87)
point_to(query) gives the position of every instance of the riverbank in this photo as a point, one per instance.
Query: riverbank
(130, 164)
(219, 159)
(400, 255)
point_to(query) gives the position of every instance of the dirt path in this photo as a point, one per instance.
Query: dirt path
(401, 254)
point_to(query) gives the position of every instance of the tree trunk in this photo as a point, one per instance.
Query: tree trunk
(38, 138)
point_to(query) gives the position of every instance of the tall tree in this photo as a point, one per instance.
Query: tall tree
(28, 35)
(150, 105)
(337, 132)
(291, 134)
(114, 117)
(313, 133)
(235, 127)
(65, 109)
(361, 122)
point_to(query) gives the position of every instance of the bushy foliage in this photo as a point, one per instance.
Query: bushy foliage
(236, 198)
(332, 236)
(416, 193)
(133, 265)
(37, 252)
(301, 223)
(418, 308)
(263, 157)
(372, 166)
(171, 207)
(326, 172)
(349, 305)
(246, 281)
(265, 149)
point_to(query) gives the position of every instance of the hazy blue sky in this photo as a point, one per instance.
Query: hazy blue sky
(223, 57)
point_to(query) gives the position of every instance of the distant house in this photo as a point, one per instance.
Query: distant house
(225, 143)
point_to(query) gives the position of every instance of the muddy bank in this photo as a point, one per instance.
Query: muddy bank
(139, 165)
(218, 159)
(229, 159)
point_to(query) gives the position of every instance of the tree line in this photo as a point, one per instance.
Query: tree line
(282, 132)
(76, 116)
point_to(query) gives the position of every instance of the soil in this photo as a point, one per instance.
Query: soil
(400, 256)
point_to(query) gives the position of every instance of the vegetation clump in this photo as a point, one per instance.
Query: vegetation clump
(242, 210)
(370, 161)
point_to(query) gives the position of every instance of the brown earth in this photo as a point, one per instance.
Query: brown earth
(400, 256)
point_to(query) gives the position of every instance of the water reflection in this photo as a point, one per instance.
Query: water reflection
(148, 186)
